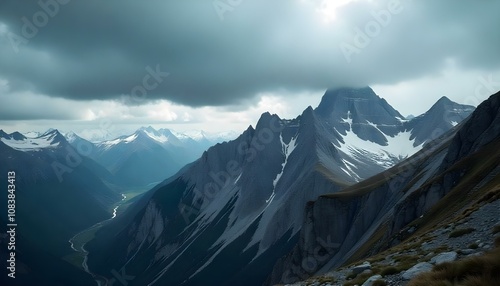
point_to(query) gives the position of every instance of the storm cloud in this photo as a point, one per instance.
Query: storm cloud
(219, 53)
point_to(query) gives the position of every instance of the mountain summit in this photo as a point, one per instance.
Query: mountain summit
(441, 117)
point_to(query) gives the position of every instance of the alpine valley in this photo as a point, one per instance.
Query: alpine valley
(66, 184)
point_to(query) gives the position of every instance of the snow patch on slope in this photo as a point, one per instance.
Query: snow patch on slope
(399, 145)
(31, 144)
(287, 150)
(157, 137)
(126, 140)
(349, 171)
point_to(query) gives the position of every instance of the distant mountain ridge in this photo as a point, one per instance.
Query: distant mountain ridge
(242, 201)
(146, 157)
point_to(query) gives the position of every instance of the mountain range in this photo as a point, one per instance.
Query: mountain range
(229, 216)
(147, 156)
(57, 193)
(438, 187)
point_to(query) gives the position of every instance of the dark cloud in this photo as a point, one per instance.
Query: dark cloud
(102, 49)
(33, 107)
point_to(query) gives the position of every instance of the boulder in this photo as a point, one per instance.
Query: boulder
(372, 279)
(444, 257)
(360, 268)
(417, 269)
(467, 251)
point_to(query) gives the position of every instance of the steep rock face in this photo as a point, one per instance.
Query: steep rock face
(482, 129)
(382, 205)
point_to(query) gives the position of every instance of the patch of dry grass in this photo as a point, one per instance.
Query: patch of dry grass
(496, 229)
(497, 242)
(481, 270)
(473, 246)
(360, 279)
(389, 270)
(325, 279)
(441, 248)
(460, 232)
(379, 283)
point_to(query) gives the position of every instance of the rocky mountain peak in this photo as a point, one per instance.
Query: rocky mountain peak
(17, 136)
(361, 111)
(266, 120)
(341, 100)
(444, 104)
(54, 136)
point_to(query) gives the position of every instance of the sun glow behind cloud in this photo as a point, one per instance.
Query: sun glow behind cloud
(328, 9)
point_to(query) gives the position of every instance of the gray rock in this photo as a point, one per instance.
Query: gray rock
(417, 269)
(372, 279)
(360, 268)
(444, 257)
(467, 251)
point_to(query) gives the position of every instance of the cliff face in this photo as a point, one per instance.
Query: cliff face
(482, 128)
(374, 211)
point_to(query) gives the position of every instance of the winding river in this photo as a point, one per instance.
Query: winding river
(84, 236)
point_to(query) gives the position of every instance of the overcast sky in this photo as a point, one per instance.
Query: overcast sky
(107, 67)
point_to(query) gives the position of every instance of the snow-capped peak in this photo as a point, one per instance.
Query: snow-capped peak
(50, 139)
